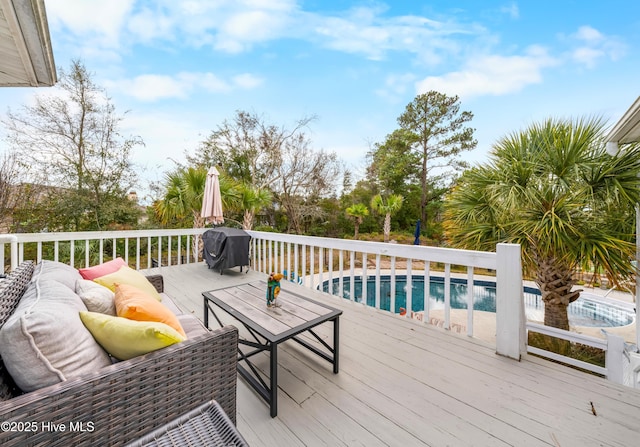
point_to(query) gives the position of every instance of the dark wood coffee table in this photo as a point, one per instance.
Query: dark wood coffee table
(270, 327)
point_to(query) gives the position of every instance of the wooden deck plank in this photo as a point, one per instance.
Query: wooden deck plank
(405, 383)
(488, 363)
(481, 401)
(377, 343)
(393, 422)
(580, 403)
(260, 431)
(387, 379)
(414, 387)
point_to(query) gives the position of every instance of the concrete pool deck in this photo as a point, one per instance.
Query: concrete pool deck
(616, 297)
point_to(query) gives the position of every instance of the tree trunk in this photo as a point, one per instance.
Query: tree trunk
(247, 220)
(555, 315)
(555, 281)
(387, 227)
(197, 244)
(294, 220)
(357, 226)
(423, 183)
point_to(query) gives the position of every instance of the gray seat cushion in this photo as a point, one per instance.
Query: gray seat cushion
(168, 302)
(192, 325)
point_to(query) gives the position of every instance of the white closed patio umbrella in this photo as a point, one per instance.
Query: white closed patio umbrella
(212, 200)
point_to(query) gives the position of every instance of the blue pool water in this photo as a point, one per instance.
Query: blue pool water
(583, 312)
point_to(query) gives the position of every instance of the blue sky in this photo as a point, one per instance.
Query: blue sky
(182, 67)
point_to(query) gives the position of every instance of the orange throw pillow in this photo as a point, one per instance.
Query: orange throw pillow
(135, 304)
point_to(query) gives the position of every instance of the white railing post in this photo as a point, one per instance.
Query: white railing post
(447, 296)
(634, 369)
(510, 320)
(614, 359)
(14, 252)
(13, 244)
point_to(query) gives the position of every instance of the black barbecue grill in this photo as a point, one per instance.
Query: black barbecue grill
(225, 248)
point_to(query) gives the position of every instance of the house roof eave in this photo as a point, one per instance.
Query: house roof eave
(26, 55)
(627, 129)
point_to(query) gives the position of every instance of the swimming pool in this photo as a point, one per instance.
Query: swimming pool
(582, 312)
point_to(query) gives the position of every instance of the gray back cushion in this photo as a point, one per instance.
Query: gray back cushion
(11, 290)
(44, 342)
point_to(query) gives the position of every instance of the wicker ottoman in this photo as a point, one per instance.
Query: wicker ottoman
(207, 425)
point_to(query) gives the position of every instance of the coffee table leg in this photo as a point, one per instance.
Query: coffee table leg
(273, 376)
(336, 344)
(206, 314)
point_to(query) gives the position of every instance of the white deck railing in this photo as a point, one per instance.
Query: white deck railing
(313, 260)
(142, 248)
(614, 347)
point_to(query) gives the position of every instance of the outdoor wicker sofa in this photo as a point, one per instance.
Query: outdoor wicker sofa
(120, 402)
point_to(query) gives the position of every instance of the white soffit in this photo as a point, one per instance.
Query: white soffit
(26, 56)
(627, 129)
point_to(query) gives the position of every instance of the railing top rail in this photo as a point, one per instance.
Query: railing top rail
(8, 238)
(95, 235)
(421, 253)
(434, 254)
(568, 335)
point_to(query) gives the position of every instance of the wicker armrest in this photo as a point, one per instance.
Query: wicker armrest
(157, 281)
(124, 401)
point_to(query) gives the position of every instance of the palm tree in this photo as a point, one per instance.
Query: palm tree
(554, 190)
(251, 200)
(392, 205)
(183, 196)
(183, 199)
(358, 211)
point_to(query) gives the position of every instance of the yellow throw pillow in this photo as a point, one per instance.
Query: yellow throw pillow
(136, 304)
(127, 275)
(124, 338)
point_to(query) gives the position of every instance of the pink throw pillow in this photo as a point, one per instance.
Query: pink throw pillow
(103, 269)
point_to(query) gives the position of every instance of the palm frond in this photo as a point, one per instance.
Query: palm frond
(552, 188)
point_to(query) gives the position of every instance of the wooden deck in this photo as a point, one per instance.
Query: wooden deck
(403, 383)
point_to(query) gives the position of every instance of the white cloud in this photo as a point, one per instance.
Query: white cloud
(208, 81)
(235, 26)
(492, 75)
(592, 46)
(344, 35)
(587, 56)
(153, 87)
(589, 34)
(247, 81)
(148, 25)
(396, 86)
(166, 137)
(250, 25)
(94, 17)
(226, 25)
(511, 10)
(365, 31)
